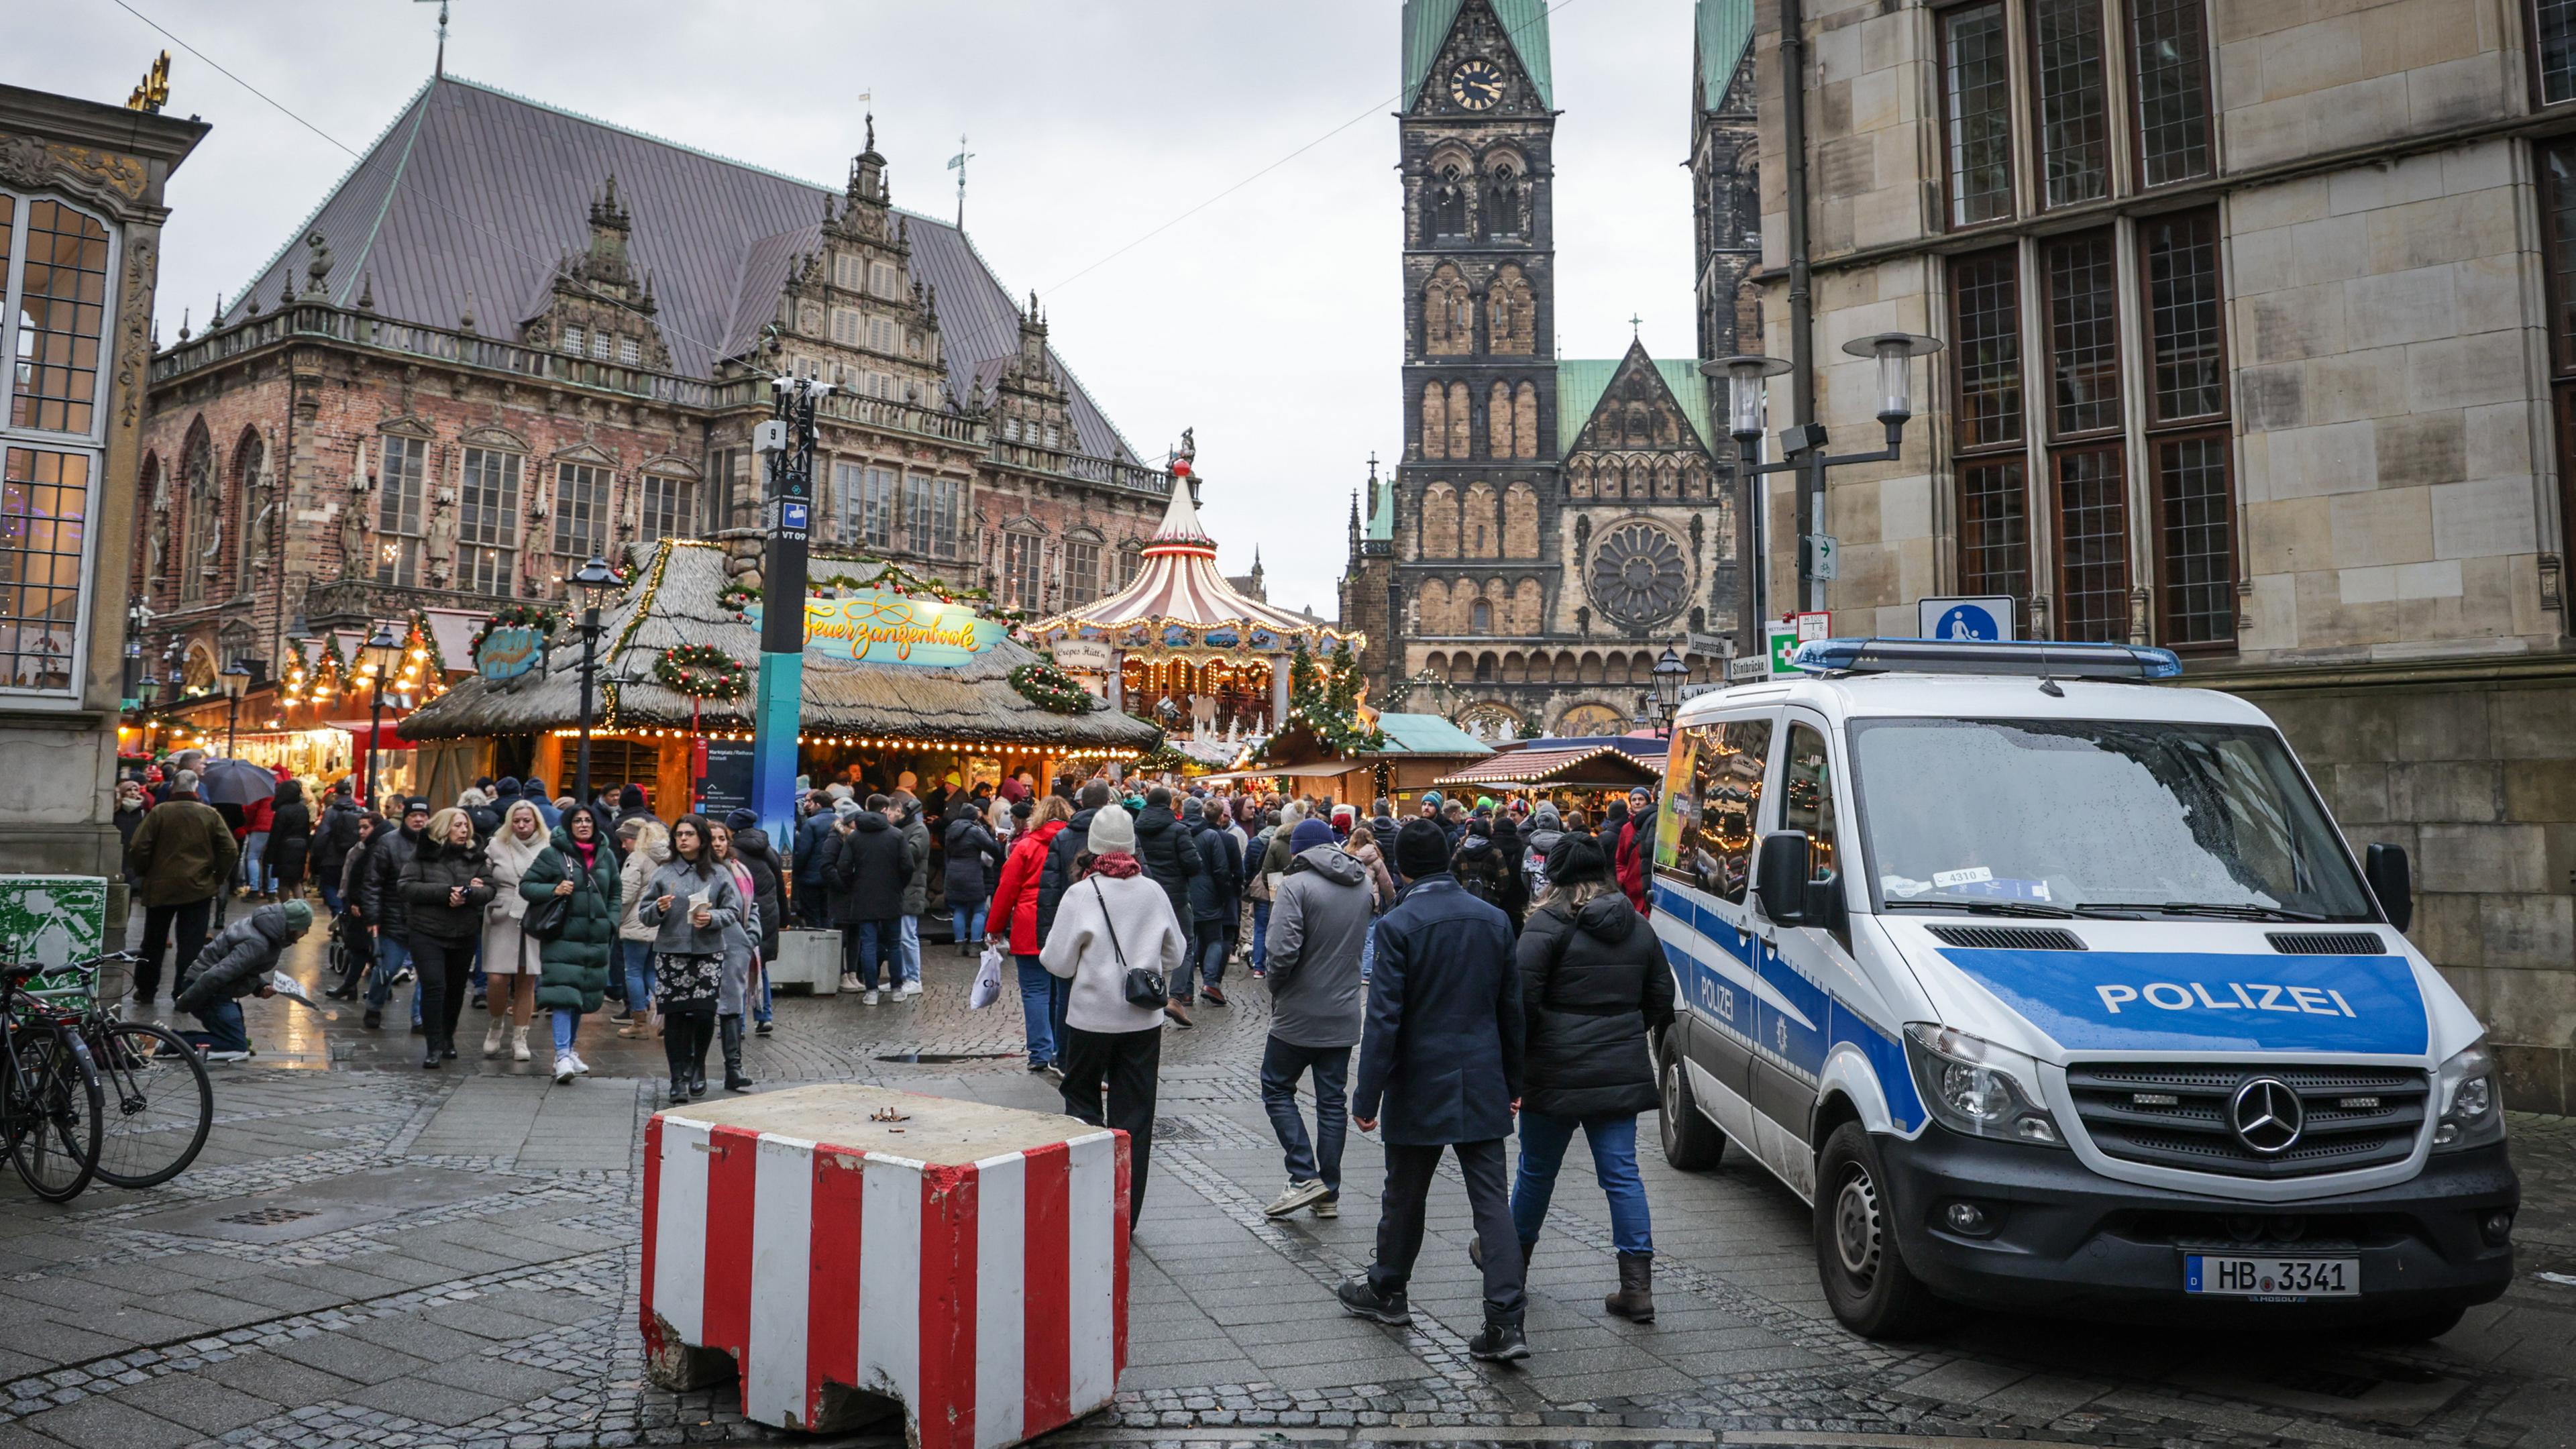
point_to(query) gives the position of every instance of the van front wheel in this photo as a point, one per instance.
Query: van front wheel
(1865, 1278)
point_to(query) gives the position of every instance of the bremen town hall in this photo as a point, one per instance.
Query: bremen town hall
(1554, 524)
(512, 338)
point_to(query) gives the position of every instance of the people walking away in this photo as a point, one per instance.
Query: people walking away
(131, 803)
(1510, 845)
(1440, 1063)
(349, 924)
(1633, 851)
(509, 957)
(1012, 918)
(813, 904)
(182, 858)
(573, 968)
(1546, 829)
(905, 810)
(478, 808)
(445, 887)
(873, 864)
(257, 816)
(1479, 865)
(236, 964)
(1112, 921)
(290, 839)
(741, 957)
(1257, 891)
(1594, 990)
(379, 900)
(538, 793)
(1317, 930)
(753, 852)
(973, 857)
(648, 847)
(1213, 900)
(334, 836)
(689, 902)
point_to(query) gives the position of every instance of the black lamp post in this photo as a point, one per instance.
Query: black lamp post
(1803, 447)
(1669, 673)
(596, 581)
(235, 678)
(382, 652)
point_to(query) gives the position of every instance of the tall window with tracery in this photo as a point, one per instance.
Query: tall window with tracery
(1977, 112)
(669, 506)
(1448, 208)
(1023, 570)
(2087, 464)
(487, 523)
(581, 519)
(1081, 571)
(1985, 320)
(402, 474)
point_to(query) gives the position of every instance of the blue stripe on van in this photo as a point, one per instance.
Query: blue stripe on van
(2208, 1001)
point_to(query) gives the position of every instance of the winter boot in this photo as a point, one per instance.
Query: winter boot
(1635, 1300)
(518, 1044)
(492, 1038)
(735, 1081)
(1500, 1340)
(699, 1033)
(675, 1050)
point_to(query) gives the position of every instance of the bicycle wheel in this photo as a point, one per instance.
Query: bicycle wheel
(53, 1126)
(157, 1103)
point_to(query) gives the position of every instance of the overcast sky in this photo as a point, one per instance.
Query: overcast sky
(1269, 319)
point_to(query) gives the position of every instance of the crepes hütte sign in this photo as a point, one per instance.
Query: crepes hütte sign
(873, 626)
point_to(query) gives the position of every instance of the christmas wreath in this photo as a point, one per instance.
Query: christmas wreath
(737, 598)
(702, 671)
(1050, 688)
(516, 616)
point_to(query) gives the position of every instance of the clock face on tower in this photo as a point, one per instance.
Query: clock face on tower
(1476, 84)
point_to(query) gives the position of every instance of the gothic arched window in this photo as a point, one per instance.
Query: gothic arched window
(1435, 420)
(201, 536)
(1525, 421)
(250, 460)
(1480, 618)
(1449, 200)
(1448, 315)
(1511, 314)
(1503, 200)
(1462, 422)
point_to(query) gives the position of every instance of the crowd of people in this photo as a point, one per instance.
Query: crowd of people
(1490, 964)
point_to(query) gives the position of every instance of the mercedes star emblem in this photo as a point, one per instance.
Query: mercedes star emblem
(2267, 1116)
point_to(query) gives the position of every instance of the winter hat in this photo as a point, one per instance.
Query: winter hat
(1575, 859)
(742, 819)
(506, 790)
(1308, 835)
(299, 916)
(1193, 808)
(1430, 797)
(1421, 848)
(847, 807)
(416, 805)
(631, 798)
(1023, 808)
(1113, 832)
(536, 789)
(1546, 818)
(839, 792)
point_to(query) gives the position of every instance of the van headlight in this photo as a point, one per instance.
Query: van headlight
(2472, 1112)
(1976, 1087)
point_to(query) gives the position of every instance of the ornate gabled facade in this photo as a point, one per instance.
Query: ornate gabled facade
(1552, 525)
(412, 408)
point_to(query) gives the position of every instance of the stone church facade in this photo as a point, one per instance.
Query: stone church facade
(430, 402)
(1552, 525)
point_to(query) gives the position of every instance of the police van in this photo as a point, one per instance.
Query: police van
(2052, 990)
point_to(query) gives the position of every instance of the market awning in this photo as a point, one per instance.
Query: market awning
(1318, 771)
(1589, 767)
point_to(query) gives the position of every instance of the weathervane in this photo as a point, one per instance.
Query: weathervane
(442, 32)
(957, 163)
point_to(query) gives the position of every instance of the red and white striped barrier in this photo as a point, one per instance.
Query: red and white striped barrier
(969, 1262)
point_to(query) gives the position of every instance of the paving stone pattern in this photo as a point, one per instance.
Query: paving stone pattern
(371, 1254)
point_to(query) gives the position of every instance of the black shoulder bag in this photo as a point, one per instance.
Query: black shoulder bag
(1144, 984)
(547, 919)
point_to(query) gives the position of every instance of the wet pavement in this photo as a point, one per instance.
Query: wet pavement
(368, 1253)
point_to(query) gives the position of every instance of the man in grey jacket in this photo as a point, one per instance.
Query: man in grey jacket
(1317, 926)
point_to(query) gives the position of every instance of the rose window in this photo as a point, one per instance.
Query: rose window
(1638, 574)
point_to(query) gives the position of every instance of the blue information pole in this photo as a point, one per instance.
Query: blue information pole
(786, 444)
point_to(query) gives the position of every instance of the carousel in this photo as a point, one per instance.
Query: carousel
(1183, 647)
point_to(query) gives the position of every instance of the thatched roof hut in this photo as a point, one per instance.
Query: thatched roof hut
(674, 601)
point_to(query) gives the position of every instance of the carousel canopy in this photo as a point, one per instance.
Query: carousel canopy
(674, 602)
(1178, 586)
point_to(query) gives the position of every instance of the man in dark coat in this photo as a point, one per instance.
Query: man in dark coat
(1168, 853)
(813, 828)
(1440, 1057)
(333, 839)
(769, 887)
(379, 902)
(873, 865)
(1069, 845)
(1216, 898)
(181, 857)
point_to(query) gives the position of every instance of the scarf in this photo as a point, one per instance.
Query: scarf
(1116, 867)
(588, 850)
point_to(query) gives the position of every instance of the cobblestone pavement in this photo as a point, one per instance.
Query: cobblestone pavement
(371, 1254)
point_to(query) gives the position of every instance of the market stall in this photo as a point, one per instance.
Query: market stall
(902, 675)
(1410, 751)
(1583, 775)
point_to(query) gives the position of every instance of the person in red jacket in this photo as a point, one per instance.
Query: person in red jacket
(1013, 920)
(257, 816)
(1633, 855)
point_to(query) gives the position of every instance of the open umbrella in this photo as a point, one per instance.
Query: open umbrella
(235, 782)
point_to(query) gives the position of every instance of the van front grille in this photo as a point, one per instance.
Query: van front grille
(2008, 938)
(2328, 943)
(2177, 1114)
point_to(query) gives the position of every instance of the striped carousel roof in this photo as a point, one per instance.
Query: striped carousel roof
(1178, 583)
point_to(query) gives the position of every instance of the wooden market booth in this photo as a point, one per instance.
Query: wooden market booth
(876, 717)
(1580, 775)
(1419, 749)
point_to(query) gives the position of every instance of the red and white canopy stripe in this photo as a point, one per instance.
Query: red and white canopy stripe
(989, 1297)
(1178, 583)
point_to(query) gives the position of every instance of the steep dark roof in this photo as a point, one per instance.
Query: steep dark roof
(470, 198)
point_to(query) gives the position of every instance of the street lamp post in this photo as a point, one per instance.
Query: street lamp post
(382, 652)
(1803, 446)
(595, 581)
(1669, 673)
(235, 678)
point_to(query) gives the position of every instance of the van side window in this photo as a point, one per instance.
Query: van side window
(1712, 794)
(1807, 794)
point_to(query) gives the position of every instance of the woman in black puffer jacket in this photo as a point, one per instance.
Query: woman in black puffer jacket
(444, 889)
(1594, 987)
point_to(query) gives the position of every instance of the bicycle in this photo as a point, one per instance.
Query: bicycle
(50, 1099)
(158, 1102)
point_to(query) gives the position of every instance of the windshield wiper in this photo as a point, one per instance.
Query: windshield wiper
(1981, 907)
(2203, 908)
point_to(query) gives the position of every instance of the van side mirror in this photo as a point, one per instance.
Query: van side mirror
(2384, 866)
(1780, 876)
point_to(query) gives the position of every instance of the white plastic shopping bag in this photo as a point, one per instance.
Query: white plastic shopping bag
(988, 977)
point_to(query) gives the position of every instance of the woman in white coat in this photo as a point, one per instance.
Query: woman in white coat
(509, 957)
(1111, 920)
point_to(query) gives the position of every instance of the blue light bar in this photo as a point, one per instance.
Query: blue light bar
(2032, 658)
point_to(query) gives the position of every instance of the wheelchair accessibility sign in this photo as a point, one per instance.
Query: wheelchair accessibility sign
(1989, 619)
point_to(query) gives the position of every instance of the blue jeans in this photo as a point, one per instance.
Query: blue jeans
(223, 1032)
(908, 957)
(1260, 935)
(1208, 948)
(253, 868)
(639, 973)
(393, 953)
(878, 941)
(968, 921)
(330, 887)
(567, 1026)
(1039, 989)
(1614, 1163)
(1368, 951)
(1282, 1063)
(760, 1008)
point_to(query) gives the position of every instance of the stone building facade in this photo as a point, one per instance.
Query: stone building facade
(1552, 525)
(2256, 351)
(81, 211)
(427, 400)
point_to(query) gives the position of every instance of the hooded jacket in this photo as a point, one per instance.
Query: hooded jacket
(768, 880)
(1170, 857)
(380, 879)
(1594, 988)
(1014, 913)
(652, 848)
(290, 834)
(973, 856)
(1069, 845)
(435, 868)
(182, 852)
(916, 882)
(238, 959)
(572, 969)
(335, 837)
(1317, 927)
(1216, 892)
(1478, 864)
(872, 866)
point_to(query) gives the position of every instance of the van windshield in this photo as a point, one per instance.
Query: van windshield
(2117, 816)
